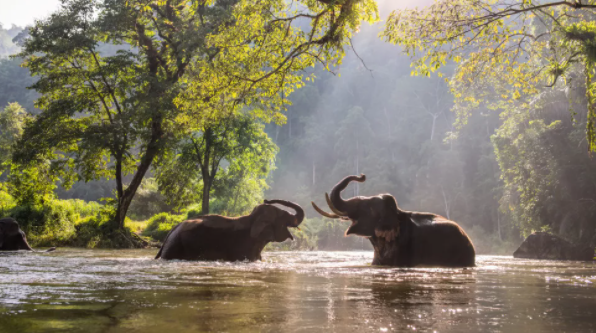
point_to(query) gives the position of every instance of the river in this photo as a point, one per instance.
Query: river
(79, 290)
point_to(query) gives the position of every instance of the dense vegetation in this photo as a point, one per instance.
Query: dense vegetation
(510, 160)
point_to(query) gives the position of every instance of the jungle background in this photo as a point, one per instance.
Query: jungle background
(502, 175)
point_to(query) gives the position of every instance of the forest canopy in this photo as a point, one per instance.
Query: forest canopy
(180, 64)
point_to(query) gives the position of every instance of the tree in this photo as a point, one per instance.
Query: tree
(196, 164)
(113, 115)
(7, 47)
(12, 120)
(549, 181)
(505, 49)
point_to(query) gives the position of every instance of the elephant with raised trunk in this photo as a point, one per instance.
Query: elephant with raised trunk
(401, 238)
(12, 238)
(215, 237)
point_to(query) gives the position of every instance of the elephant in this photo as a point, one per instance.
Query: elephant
(400, 238)
(12, 238)
(215, 237)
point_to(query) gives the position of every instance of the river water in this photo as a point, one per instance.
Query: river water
(78, 290)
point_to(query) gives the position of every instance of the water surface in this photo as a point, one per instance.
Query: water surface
(77, 290)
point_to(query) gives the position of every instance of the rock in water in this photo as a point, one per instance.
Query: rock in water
(542, 245)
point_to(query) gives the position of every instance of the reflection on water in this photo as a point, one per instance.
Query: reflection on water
(74, 290)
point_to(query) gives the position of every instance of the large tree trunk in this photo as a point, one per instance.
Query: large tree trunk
(152, 151)
(206, 190)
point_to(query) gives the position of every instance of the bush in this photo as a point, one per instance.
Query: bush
(72, 223)
(193, 211)
(7, 202)
(99, 232)
(160, 224)
(52, 223)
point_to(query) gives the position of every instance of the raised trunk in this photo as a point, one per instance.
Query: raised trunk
(336, 198)
(294, 206)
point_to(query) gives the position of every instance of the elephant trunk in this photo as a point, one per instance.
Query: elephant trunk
(299, 211)
(25, 245)
(336, 199)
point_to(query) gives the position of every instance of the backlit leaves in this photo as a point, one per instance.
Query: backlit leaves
(508, 50)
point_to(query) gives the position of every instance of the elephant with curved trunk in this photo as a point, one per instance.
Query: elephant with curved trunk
(12, 238)
(401, 238)
(215, 237)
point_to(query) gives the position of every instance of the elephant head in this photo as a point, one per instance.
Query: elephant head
(12, 238)
(371, 216)
(271, 223)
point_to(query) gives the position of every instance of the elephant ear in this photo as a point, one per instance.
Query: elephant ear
(388, 226)
(258, 226)
(9, 227)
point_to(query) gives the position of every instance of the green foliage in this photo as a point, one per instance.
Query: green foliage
(98, 232)
(111, 115)
(192, 211)
(72, 223)
(148, 201)
(33, 183)
(548, 177)
(506, 51)
(7, 202)
(159, 225)
(12, 120)
(53, 222)
(230, 158)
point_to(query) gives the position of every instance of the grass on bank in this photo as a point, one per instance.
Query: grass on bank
(73, 222)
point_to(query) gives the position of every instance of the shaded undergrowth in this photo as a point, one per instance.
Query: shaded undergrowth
(72, 222)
